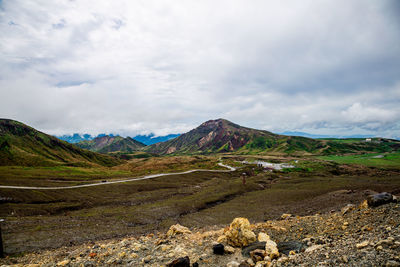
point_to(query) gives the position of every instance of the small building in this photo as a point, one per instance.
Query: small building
(368, 140)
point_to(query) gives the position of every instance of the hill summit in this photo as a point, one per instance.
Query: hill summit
(224, 136)
(107, 143)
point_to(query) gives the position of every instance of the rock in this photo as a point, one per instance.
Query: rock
(362, 244)
(229, 250)
(195, 264)
(286, 247)
(180, 262)
(263, 237)
(364, 205)
(313, 248)
(233, 264)
(257, 255)
(222, 239)
(92, 255)
(392, 263)
(286, 216)
(244, 264)
(347, 208)
(379, 199)
(256, 245)
(218, 249)
(345, 259)
(63, 263)
(147, 259)
(271, 249)
(239, 233)
(177, 229)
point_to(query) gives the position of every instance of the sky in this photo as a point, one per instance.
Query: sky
(139, 67)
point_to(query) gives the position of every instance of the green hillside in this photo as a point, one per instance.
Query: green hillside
(107, 144)
(21, 145)
(217, 136)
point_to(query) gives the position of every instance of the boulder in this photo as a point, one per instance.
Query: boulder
(178, 229)
(180, 262)
(271, 249)
(218, 249)
(263, 237)
(379, 199)
(239, 233)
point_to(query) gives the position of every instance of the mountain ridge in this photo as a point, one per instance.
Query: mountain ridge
(107, 144)
(22, 145)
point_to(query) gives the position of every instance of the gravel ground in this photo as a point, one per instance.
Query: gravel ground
(357, 235)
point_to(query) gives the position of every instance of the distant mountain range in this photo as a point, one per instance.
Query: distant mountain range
(107, 144)
(321, 136)
(22, 145)
(145, 139)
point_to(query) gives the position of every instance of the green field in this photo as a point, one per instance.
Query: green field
(380, 160)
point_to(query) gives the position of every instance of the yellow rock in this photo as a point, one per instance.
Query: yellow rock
(362, 244)
(286, 216)
(178, 229)
(292, 252)
(271, 249)
(134, 255)
(63, 263)
(222, 239)
(263, 237)
(239, 233)
(364, 205)
(122, 254)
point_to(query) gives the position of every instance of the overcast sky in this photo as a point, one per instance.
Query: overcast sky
(136, 67)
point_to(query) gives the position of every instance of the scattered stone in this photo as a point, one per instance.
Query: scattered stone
(286, 247)
(257, 255)
(195, 264)
(345, 259)
(347, 208)
(178, 229)
(180, 262)
(63, 263)
(239, 233)
(263, 237)
(271, 249)
(392, 263)
(313, 248)
(379, 199)
(233, 264)
(244, 264)
(362, 244)
(218, 249)
(147, 259)
(256, 245)
(92, 255)
(364, 205)
(229, 250)
(286, 216)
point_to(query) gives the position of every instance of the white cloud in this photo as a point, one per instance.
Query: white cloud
(164, 66)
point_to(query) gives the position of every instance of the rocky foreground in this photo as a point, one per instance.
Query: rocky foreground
(358, 235)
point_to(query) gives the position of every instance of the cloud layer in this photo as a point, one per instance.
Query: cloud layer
(135, 67)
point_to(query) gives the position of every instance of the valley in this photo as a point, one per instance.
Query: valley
(83, 196)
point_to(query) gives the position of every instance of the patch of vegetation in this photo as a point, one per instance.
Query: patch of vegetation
(386, 160)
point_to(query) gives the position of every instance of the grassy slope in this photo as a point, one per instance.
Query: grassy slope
(21, 145)
(387, 160)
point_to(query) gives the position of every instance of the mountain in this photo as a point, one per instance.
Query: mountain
(106, 144)
(21, 145)
(151, 139)
(75, 138)
(322, 136)
(224, 136)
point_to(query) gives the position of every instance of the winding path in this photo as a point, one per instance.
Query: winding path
(151, 176)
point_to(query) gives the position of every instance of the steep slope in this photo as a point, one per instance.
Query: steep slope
(224, 136)
(106, 144)
(215, 136)
(21, 145)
